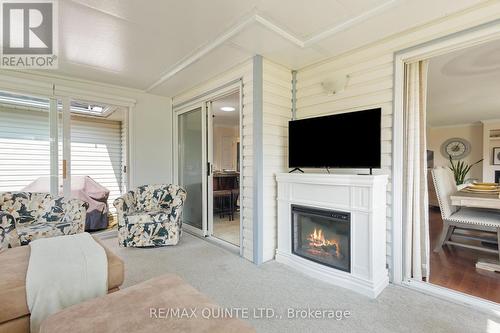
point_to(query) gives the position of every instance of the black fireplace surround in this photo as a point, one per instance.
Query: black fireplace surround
(322, 236)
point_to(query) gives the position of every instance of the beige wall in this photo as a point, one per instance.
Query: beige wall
(489, 168)
(473, 133)
(151, 140)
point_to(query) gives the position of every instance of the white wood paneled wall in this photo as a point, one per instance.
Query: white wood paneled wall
(370, 85)
(371, 81)
(277, 96)
(276, 114)
(245, 72)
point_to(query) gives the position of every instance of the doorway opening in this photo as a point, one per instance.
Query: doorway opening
(462, 130)
(224, 219)
(449, 235)
(208, 164)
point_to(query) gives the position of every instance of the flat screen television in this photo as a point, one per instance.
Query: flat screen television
(347, 140)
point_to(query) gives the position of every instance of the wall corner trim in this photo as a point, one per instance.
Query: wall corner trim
(294, 94)
(258, 163)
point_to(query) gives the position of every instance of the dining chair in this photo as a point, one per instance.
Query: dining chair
(223, 203)
(464, 218)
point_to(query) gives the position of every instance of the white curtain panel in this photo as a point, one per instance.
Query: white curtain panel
(417, 248)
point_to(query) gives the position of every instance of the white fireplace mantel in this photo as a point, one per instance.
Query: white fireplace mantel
(364, 197)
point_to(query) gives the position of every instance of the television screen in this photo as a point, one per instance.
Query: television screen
(347, 140)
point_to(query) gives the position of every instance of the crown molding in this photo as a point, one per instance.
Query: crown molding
(227, 35)
(461, 125)
(350, 22)
(271, 26)
(259, 18)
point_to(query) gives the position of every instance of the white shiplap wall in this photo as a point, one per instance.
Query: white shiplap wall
(245, 72)
(96, 149)
(371, 82)
(276, 114)
(277, 96)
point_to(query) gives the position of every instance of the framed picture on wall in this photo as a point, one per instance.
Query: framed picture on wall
(496, 156)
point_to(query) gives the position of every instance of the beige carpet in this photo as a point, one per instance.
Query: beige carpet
(235, 282)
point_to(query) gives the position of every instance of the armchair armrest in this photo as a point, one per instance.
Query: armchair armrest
(174, 209)
(124, 205)
(8, 233)
(177, 203)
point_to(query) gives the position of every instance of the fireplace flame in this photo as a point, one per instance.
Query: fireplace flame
(317, 239)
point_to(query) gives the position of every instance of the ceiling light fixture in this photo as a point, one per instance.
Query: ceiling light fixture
(227, 108)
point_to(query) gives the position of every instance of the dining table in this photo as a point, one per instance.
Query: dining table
(467, 198)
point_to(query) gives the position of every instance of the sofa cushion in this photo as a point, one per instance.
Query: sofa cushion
(133, 310)
(31, 232)
(8, 232)
(14, 265)
(26, 207)
(25, 216)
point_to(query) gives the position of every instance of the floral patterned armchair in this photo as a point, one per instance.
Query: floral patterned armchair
(26, 216)
(150, 215)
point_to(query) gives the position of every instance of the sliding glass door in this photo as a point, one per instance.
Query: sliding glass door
(191, 166)
(29, 128)
(207, 164)
(223, 133)
(47, 144)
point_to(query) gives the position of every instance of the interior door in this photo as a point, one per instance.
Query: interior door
(192, 167)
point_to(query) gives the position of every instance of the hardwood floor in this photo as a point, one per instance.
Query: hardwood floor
(454, 267)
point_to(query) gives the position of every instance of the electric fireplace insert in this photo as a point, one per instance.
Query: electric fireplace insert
(322, 236)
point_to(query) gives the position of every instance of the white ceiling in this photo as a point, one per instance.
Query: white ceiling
(167, 46)
(464, 86)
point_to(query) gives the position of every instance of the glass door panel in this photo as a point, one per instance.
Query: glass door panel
(190, 165)
(93, 158)
(27, 124)
(224, 180)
